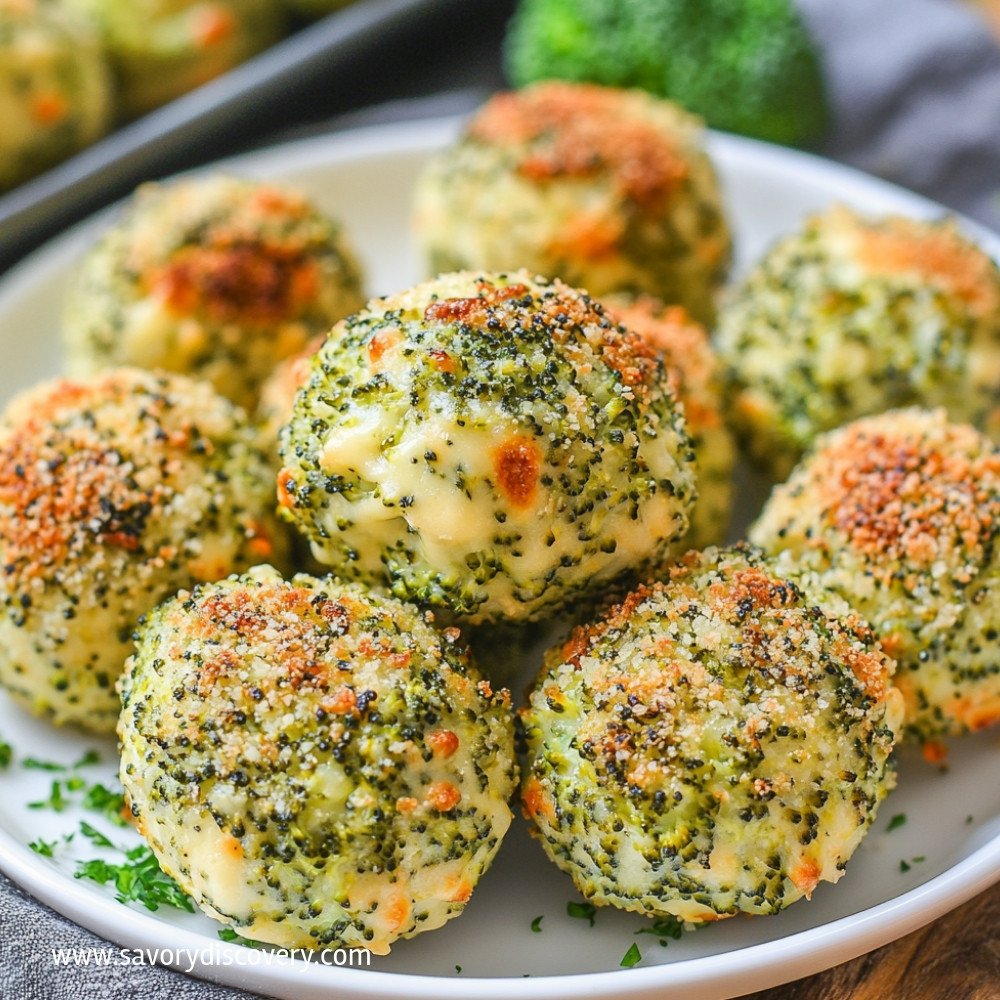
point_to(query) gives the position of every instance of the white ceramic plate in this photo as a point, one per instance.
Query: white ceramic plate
(953, 818)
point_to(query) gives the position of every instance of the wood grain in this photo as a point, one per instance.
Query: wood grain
(954, 958)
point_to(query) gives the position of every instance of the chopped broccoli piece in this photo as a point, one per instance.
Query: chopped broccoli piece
(747, 67)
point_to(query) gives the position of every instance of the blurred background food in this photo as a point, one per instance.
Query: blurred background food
(55, 90)
(804, 72)
(217, 277)
(160, 49)
(611, 190)
(748, 67)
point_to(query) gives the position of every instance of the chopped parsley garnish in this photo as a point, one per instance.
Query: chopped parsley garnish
(34, 764)
(896, 822)
(89, 758)
(919, 859)
(969, 820)
(631, 957)
(46, 848)
(458, 970)
(903, 866)
(6, 754)
(56, 800)
(663, 928)
(58, 790)
(536, 924)
(139, 879)
(110, 804)
(582, 911)
(94, 835)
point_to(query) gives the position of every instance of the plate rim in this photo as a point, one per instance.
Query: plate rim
(724, 974)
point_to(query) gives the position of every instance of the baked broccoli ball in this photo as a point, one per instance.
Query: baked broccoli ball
(313, 763)
(114, 493)
(716, 744)
(491, 445)
(853, 316)
(55, 95)
(215, 277)
(693, 371)
(161, 49)
(609, 190)
(900, 514)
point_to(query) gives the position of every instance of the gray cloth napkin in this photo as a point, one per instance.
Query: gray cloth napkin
(915, 88)
(915, 91)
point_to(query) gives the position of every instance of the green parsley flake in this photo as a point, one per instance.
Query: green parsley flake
(536, 924)
(6, 754)
(46, 848)
(56, 800)
(89, 758)
(34, 764)
(896, 822)
(139, 879)
(94, 835)
(632, 957)
(97, 797)
(582, 911)
(663, 928)
(111, 804)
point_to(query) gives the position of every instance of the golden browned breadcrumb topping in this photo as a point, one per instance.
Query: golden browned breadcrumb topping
(509, 306)
(898, 499)
(685, 347)
(936, 252)
(578, 130)
(233, 274)
(64, 487)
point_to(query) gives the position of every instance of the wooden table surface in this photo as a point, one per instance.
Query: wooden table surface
(954, 958)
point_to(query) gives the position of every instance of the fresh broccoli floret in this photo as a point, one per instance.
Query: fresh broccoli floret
(745, 66)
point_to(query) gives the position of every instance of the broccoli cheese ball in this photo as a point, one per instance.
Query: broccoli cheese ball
(55, 95)
(900, 514)
(853, 316)
(716, 744)
(693, 371)
(313, 763)
(161, 49)
(215, 277)
(114, 493)
(609, 190)
(490, 445)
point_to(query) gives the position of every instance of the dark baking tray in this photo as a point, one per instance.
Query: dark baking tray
(356, 56)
